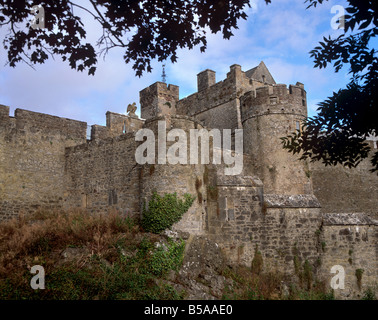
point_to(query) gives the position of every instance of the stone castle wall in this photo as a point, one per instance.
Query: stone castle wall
(280, 206)
(32, 162)
(103, 175)
(179, 178)
(116, 125)
(242, 219)
(350, 240)
(341, 189)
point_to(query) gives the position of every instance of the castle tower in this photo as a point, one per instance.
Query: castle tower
(269, 113)
(205, 79)
(158, 99)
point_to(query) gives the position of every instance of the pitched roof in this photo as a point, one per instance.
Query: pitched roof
(260, 73)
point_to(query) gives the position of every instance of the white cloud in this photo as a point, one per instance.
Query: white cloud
(281, 34)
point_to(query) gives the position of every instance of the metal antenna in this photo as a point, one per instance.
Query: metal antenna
(163, 75)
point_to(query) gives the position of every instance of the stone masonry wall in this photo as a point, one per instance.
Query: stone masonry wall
(101, 175)
(267, 115)
(158, 99)
(340, 189)
(116, 125)
(273, 206)
(121, 123)
(32, 147)
(241, 217)
(350, 240)
(179, 178)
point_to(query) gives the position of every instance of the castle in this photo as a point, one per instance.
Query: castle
(290, 210)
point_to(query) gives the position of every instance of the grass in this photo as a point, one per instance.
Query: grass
(251, 286)
(113, 259)
(270, 286)
(120, 261)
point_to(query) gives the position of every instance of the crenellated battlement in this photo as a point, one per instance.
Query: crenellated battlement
(294, 92)
(272, 99)
(212, 94)
(205, 79)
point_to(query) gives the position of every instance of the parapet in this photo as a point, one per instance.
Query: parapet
(235, 71)
(272, 99)
(281, 91)
(99, 132)
(35, 122)
(122, 123)
(116, 124)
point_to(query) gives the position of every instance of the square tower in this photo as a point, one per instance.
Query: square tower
(158, 99)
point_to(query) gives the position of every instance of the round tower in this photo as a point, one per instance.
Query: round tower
(269, 113)
(165, 177)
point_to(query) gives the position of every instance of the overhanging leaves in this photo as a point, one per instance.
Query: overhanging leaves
(337, 135)
(146, 30)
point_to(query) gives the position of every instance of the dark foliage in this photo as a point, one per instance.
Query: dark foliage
(337, 134)
(147, 30)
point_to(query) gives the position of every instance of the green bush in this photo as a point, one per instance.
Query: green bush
(359, 273)
(167, 258)
(164, 211)
(369, 294)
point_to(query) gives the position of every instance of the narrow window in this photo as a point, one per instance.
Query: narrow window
(112, 197)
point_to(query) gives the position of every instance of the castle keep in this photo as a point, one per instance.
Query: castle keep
(290, 210)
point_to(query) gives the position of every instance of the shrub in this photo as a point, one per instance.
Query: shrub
(212, 193)
(307, 274)
(164, 211)
(359, 273)
(167, 258)
(369, 294)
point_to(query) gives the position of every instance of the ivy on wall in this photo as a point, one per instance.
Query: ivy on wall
(164, 211)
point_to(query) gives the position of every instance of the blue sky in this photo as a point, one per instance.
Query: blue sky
(280, 34)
